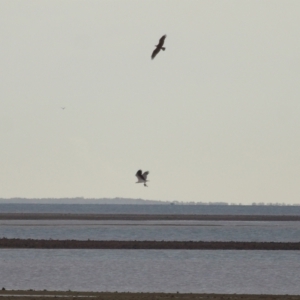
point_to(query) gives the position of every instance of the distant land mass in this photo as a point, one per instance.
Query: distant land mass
(82, 200)
(124, 201)
(116, 201)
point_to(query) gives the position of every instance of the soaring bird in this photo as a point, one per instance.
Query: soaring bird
(142, 177)
(159, 46)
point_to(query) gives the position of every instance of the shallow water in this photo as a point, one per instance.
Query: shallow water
(255, 231)
(149, 209)
(219, 271)
(204, 271)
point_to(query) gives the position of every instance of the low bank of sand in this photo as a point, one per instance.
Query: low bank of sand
(42, 295)
(145, 217)
(140, 245)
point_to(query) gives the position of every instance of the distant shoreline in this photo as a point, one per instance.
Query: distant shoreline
(145, 217)
(144, 245)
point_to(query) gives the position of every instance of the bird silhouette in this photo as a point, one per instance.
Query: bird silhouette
(142, 177)
(159, 46)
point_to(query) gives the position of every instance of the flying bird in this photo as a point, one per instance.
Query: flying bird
(62, 107)
(159, 46)
(142, 177)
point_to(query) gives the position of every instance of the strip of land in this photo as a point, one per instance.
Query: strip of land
(145, 217)
(42, 295)
(140, 245)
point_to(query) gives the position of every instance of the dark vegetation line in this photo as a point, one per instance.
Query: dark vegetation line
(167, 245)
(149, 217)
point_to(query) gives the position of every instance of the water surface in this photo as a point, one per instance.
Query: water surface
(254, 231)
(149, 209)
(185, 271)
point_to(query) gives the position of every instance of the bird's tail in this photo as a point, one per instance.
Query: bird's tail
(163, 48)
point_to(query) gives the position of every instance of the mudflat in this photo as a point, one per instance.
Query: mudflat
(139, 245)
(145, 217)
(42, 295)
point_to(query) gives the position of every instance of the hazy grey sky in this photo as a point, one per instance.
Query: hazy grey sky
(216, 117)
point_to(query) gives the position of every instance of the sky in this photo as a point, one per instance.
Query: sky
(215, 117)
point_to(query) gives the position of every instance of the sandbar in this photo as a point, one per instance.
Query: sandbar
(42, 295)
(145, 217)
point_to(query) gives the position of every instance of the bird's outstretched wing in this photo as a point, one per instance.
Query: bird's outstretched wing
(139, 175)
(145, 174)
(154, 53)
(162, 40)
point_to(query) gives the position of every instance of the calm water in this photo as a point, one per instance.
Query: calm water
(258, 272)
(150, 209)
(255, 272)
(153, 230)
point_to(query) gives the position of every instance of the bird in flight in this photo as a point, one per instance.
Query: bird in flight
(62, 107)
(142, 177)
(159, 46)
